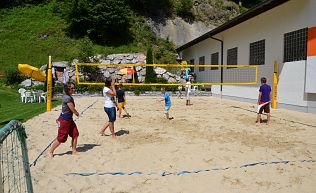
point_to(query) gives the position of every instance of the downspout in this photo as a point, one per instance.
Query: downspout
(222, 57)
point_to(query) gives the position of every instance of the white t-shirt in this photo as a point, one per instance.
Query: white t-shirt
(108, 99)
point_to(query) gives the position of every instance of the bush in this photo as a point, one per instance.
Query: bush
(127, 88)
(12, 76)
(38, 87)
(137, 92)
(58, 88)
(183, 8)
(172, 88)
(95, 89)
(161, 80)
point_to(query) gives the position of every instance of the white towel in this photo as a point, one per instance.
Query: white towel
(260, 106)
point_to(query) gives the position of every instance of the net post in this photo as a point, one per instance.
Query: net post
(77, 74)
(133, 75)
(275, 86)
(49, 85)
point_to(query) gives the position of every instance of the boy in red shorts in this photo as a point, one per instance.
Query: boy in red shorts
(66, 125)
(264, 99)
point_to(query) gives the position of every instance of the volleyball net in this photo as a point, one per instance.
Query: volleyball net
(15, 174)
(167, 74)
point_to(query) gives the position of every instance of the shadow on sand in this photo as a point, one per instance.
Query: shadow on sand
(121, 132)
(80, 148)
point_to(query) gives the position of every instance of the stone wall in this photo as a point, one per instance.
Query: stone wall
(114, 71)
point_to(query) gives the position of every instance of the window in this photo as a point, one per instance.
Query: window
(232, 56)
(214, 60)
(257, 52)
(295, 45)
(202, 62)
(192, 63)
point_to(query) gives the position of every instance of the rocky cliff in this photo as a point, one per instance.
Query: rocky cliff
(206, 15)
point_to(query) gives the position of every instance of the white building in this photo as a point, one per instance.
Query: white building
(276, 30)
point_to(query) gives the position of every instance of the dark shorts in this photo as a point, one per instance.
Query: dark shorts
(265, 108)
(111, 112)
(65, 128)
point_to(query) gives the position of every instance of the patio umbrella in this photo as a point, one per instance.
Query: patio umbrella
(32, 72)
(126, 71)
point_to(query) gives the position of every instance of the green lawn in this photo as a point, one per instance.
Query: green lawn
(11, 107)
(30, 34)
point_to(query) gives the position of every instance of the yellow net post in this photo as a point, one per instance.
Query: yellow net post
(275, 86)
(133, 75)
(49, 85)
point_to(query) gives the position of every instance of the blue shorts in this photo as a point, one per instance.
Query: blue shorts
(111, 112)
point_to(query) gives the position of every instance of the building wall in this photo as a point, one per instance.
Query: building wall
(205, 48)
(271, 26)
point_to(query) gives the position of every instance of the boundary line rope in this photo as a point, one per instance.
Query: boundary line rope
(166, 173)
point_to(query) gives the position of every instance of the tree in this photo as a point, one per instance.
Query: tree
(85, 50)
(92, 73)
(103, 21)
(150, 74)
(13, 3)
(152, 7)
(135, 75)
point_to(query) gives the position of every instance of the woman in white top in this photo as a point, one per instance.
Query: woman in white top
(109, 93)
(188, 92)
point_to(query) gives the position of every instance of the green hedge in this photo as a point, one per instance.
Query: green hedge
(12, 76)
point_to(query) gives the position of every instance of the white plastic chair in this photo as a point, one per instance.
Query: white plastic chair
(195, 90)
(22, 93)
(28, 95)
(35, 95)
(41, 95)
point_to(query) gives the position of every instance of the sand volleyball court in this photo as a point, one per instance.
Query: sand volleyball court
(206, 148)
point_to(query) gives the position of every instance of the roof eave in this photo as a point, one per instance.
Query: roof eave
(263, 7)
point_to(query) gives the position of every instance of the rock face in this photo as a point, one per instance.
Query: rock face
(62, 64)
(206, 13)
(179, 31)
(30, 82)
(58, 71)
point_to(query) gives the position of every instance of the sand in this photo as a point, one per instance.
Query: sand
(209, 136)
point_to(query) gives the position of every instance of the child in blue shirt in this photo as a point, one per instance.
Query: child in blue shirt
(167, 103)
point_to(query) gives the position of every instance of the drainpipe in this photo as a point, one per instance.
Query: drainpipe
(222, 57)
